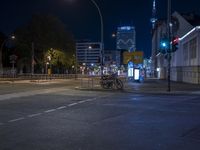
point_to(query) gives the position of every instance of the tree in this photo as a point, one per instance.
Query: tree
(45, 32)
(2, 40)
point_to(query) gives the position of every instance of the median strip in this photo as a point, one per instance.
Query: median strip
(30, 93)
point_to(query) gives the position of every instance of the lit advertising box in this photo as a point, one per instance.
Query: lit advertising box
(136, 74)
(136, 57)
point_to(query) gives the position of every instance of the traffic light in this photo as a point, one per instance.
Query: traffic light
(164, 45)
(175, 41)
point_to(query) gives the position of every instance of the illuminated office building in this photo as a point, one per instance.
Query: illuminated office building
(88, 53)
(126, 39)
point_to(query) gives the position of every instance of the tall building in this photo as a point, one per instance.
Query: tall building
(153, 19)
(88, 53)
(126, 38)
(125, 41)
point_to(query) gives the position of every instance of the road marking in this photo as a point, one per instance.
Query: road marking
(18, 119)
(87, 100)
(72, 104)
(50, 110)
(62, 107)
(81, 102)
(34, 115)
(91, 99)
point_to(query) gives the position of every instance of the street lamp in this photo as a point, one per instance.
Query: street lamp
(1, 50)
(102, 31)
(102, 41)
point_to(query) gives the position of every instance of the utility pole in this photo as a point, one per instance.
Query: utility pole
(169, 27)
(102, 36)
(32, 59)
(153, 19)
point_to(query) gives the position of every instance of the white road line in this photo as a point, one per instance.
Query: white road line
(72, 104)
(18, 119)
(81, 101)
(34, 115)
(62, 107)
(87, 100)
(91, 99)
(50, 110)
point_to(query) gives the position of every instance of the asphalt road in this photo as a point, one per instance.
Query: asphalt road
(58, 117)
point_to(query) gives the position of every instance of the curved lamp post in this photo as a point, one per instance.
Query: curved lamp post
(102, 39)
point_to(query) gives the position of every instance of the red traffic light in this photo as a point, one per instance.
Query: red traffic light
(175, 40)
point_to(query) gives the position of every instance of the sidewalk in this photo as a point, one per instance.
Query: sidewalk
(150, 85)
(153, 85)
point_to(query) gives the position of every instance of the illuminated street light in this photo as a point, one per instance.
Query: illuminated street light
(102, 31)
(90, 47)
(102, 40)
(113, 35)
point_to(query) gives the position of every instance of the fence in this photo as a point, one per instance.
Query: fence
(84, 81)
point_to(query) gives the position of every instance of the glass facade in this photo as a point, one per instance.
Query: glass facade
(88, 52)
(126, 38)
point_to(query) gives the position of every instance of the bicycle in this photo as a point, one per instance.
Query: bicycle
(111, 81)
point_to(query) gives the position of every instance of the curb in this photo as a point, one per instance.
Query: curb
(141, 91)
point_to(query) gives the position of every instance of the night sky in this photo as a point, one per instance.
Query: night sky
(82, 19)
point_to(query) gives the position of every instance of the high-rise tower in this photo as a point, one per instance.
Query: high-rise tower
(153, 19)
(126, 38)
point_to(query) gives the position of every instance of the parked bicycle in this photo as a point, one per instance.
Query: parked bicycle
(111, 81)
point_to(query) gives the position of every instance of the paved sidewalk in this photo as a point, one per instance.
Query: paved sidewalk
(161, 86)
(150, 85)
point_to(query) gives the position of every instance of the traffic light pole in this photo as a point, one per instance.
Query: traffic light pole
(169, 25)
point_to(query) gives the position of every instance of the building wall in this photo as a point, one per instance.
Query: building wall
(88, 52)
(126, 38)
(158, 62)
(186, 64)
(183, 28)
(187, 74)
(183, 25)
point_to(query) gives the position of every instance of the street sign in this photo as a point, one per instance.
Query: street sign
(136, 57)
